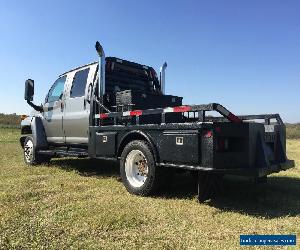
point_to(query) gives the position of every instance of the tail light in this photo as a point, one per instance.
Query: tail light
(208, 134)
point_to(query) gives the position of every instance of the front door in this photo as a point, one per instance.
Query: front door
(53, 112)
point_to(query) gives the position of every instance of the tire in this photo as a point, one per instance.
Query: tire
(137, 168)
(31, 157)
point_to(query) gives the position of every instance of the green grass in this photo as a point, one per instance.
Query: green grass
(82, 204)
(293, 131)
(9, 134)
(9, 120)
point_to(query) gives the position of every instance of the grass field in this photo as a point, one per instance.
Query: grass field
(74, 203)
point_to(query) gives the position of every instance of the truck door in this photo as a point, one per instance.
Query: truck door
(53, 112)
(77, 108)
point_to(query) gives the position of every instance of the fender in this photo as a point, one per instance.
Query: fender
(37, 132)
(135, 135)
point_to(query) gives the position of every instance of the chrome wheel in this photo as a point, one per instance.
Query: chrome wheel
(28, 151)
(136, 168)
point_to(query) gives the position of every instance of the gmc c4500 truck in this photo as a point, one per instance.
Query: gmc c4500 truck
(114, 109)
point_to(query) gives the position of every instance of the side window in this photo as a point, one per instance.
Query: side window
(56, 90)
(79, 83)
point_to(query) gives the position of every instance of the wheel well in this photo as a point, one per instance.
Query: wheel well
(136, 136)
(26, 130)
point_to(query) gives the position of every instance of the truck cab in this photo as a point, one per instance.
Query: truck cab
(67, 109)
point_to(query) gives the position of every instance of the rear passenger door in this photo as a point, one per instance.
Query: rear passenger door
(77, 108)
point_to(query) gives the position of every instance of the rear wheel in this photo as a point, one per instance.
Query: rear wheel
(31, 157)
(137, 168)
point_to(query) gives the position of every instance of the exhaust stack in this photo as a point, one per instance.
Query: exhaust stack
(101, 70)
(162, 78)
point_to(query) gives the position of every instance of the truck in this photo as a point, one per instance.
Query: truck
(114, 109)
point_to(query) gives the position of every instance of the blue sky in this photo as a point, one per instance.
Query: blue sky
(242, 54)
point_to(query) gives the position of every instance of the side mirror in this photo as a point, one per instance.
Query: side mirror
(28, 96)
(29, 90)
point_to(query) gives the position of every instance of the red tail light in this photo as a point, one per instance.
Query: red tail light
(208, 134)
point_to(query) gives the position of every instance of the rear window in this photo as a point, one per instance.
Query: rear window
(79, 83)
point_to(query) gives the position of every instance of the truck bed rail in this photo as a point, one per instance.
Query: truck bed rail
(199, 109)
(266, 117)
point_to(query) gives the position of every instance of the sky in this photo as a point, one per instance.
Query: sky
(242, 54)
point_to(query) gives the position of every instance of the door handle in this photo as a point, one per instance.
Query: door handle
(84, 103)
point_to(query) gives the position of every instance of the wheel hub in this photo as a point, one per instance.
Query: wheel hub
(142, 168)
(136, 168)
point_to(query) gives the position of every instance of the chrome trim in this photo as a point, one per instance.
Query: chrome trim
(162, 78)
(101, 70)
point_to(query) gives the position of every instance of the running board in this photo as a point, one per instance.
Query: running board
(71, 153)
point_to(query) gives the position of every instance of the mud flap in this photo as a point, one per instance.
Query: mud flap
(38, 133)
(261, 153)
(280, 155)
(262, 160)
(209, 185)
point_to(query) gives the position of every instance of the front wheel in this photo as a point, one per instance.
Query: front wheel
(137, 168)
(31, 157)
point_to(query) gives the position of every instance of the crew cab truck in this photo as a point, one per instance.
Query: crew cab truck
(114, 109)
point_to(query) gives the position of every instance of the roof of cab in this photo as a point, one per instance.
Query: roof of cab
(82, 66)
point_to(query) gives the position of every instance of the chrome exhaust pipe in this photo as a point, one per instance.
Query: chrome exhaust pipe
(101, 70)
(162, 78)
